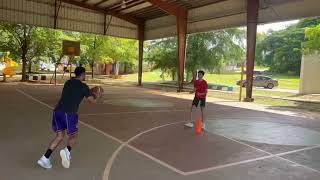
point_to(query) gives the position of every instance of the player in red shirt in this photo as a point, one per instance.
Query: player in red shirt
(200, 89)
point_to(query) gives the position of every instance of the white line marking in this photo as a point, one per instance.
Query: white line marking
(156, 160)
(274, 155)
(227, 165)
(298, 150)
(107, 170)
(134, 112)
(29, 96)
(256, 159)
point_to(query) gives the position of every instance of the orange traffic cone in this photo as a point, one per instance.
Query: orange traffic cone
(199, 126)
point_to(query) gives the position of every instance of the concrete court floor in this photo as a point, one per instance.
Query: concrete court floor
(137, 134)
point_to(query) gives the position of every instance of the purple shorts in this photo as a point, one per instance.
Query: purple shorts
(62, 121)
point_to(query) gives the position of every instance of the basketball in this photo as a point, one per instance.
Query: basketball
(97, 91)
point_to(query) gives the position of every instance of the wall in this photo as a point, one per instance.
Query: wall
(310, 74)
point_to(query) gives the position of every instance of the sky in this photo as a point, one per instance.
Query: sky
(275, 26)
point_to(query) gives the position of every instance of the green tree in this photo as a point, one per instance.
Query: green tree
(207, 51)
(116, 50)
(312, 40)
(92, 49)
(213, 50)
(18, 40)
(282, 50)
(163, 55)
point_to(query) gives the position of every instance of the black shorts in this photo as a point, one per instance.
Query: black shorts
(196, 101)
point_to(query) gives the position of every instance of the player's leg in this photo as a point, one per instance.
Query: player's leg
(59, 127)
(194, 105)
(202, 107)
(72, 130)
(57, 140)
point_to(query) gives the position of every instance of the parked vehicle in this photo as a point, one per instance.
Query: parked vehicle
(262, 81)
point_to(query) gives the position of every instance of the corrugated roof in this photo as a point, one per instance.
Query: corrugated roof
(94, 16)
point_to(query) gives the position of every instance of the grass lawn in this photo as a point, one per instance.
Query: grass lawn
(285, 81)
(288, 82)
(146, 77)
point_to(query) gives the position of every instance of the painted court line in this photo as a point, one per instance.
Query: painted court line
(134, 112)
(107, 170)
(298, 150)
(273, 155)
(125, 144)
(227, 165)
(156, 160)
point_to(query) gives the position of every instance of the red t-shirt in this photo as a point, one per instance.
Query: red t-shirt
(200, 86)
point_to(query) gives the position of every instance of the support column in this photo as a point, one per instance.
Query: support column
(105, 24)
(56, 13)
(141, 40)
(182, 20)
(252, 21)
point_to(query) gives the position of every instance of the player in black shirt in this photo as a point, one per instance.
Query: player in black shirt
(65, 117)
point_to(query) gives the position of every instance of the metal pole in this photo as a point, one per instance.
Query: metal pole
(141, 40)
(182, 20)
(252, 20)
(241, 82)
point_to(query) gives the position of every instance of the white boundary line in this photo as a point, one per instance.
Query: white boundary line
(125, 144)
(107, 170)
(275, 155)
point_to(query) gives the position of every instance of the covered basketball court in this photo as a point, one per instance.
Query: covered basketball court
(138, 133)
(155, 19)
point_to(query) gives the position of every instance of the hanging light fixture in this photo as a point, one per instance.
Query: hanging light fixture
(123, 5)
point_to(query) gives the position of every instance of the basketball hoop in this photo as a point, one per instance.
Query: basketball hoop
(71, 51)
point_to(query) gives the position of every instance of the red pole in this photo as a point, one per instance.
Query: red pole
(252, 21)
(141, 40)
(182, 20)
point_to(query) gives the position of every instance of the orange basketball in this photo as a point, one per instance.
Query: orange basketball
(97, 91)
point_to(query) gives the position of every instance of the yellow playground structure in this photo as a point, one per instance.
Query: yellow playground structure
(10, 65)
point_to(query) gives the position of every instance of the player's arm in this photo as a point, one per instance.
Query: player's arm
(89, 96)
(91, 99)
(206, 91)
(194, 87)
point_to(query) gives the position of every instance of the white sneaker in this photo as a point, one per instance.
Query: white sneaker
(45, 163)
(65, 157)
(204, 126)
(190, 125)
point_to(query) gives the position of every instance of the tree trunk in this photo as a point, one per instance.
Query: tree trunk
(30, 67)
(24, 64)
(125, 68)
(173, 75)
(4, 78)
(24, 70)
(92, 70)
(24, 49)
(55, 74)
(194, 76)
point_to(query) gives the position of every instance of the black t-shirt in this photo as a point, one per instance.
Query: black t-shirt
(73, 92)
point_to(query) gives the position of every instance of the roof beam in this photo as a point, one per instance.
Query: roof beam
(131, 5)
(127, 18)
(170, 8)
(98, 3)
(120, 4)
